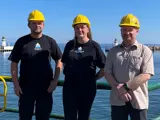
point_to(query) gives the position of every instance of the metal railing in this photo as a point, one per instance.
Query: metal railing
(100, 85)
(4, 94)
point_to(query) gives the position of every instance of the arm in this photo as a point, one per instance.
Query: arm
(124, 95)
(110, 79)
(56, 55)
(15, 57)
(147, 70)
(135, 83)
(101, 58)
(138, 80)
(65, 56)
(14, 73)
(109, 69)
(100, 74)
(58, 69)
(54, 82)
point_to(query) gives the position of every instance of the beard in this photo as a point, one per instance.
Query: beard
(126, 38)
(36, 32)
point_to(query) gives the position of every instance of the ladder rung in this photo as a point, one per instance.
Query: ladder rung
(1, 94)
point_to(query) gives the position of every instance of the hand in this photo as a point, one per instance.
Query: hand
(114, 85)
(17, 90)
(121, 89)
(126, 97)
(52, 86)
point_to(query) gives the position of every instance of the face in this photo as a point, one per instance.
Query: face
(129, 34)
(36, 26)
(81, 30)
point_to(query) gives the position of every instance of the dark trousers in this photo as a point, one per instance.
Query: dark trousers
(122, 112)
(77, 103)
(42, 102)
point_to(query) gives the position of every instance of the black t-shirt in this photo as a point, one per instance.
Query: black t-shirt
(81, 60)
(35, 56)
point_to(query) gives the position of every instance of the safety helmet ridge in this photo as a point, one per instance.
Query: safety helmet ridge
(81, 19)
(130, 20)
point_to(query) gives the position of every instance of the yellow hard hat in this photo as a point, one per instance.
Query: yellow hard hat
(36, 15)
(81, 19)
(130, 20)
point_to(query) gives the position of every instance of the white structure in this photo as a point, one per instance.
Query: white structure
(4, 47)
(8, 48)
(3, 41)
(115, 42)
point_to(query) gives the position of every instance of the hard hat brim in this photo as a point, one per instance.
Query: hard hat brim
(129, 25)
(35, 20)
(73, 25)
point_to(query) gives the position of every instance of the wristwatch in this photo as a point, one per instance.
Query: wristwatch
(126, 87)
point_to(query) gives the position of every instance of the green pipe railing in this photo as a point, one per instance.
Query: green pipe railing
(157, 118)
(51, 116)
(100, 85)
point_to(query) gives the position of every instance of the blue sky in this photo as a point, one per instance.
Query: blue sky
(104, 16)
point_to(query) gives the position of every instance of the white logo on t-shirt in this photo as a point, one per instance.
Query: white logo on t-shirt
(37, 47)
(79, 50)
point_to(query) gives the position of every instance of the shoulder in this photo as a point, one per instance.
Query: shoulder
(70, 43)
(115, 48)
(51, 41)
(25, 37)
(145, 48)
(49, 38)
(95, 44)
(112, 52)
(22, 39)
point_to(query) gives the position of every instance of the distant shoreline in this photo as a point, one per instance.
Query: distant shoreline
(154, 47)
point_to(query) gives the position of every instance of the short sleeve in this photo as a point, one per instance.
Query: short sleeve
(101, 58)
(147, 66)
(16, 53)
(109, 64)
(66, 52)
(56, 52)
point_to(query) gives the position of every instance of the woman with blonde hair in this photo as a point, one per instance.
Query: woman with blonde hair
(81, 57)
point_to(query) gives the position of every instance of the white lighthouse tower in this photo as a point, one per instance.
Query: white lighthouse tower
(4, 47)
(3, 41)
(115, 42)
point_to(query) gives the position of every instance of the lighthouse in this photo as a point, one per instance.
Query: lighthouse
(115, 42)
(3, 41)
(4, 47)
